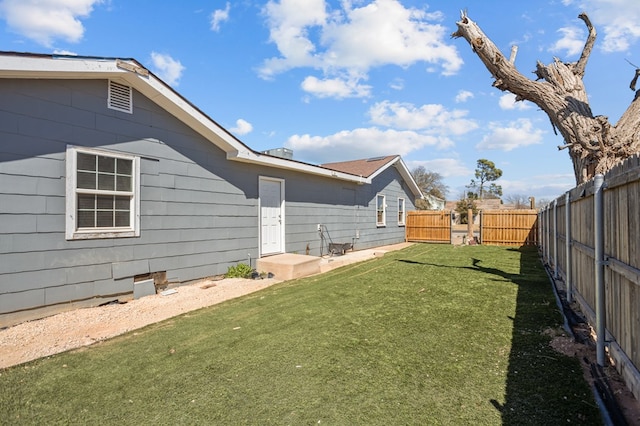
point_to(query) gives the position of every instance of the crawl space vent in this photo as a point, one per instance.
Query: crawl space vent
(120, 97)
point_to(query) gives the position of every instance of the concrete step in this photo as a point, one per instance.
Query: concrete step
(288, 266)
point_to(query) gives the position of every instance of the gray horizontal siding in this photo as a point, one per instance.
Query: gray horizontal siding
(19, 300)
(199, 211)
(193, 216)
(346, 211)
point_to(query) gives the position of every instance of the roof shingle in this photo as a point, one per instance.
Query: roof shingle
(364, 168)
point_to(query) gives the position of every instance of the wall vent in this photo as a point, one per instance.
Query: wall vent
(120, 97)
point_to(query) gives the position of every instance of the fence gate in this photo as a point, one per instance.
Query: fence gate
(428, 226)
(509, 227)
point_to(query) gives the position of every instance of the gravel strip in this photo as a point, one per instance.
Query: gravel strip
(82, 327)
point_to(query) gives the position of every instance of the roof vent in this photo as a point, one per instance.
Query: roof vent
(369, 160)
(120, 97)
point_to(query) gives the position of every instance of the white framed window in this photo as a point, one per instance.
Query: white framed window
(103, 194)
(401, 214)
(381, 210)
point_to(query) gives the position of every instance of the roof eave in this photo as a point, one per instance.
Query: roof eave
(249, 156)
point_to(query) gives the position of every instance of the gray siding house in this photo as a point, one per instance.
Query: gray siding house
(108, 177)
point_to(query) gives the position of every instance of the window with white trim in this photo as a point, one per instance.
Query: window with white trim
(103, 194)
(401, 214)
(381, 210)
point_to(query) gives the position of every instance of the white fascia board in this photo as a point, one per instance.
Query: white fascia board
(247, 156)
(65, 67)
(408, 177)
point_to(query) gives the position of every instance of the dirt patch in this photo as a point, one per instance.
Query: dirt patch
(583, 348)
(82, 327)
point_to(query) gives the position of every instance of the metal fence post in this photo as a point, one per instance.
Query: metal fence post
(555, 239)
(539, 232)
(598, 219)
(569, 261)
(548, 234)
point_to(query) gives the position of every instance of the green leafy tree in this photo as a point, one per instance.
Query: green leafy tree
(430, 182)
(483, 185)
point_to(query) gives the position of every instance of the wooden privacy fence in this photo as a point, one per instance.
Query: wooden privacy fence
(590, 238)
(497, 227)
(509, 227)
(428, 226)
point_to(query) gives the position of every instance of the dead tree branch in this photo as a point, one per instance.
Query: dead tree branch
(594, 145)
(588, 46)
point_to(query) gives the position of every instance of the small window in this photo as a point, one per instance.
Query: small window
(401, 214)
(102, 194)
(381, 208)
(120, 97)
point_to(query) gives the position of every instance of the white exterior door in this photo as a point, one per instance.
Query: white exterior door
(271, 216)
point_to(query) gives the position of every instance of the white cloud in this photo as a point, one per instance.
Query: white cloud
(46, 21)
(335, 88)
(514, 135)
(385, 32)
(541, 187)
(64, 52)
(289, 22)
(446, 167)
(430, 118)
(508, 102)
(621, 33)
(397, 84)
(219, 16)
(463, 96)
(359, 143)
(167, 68)
(618, 20)
(399, 128)
(352, 40)
(349, 144)
(571, 42)
(242, 127)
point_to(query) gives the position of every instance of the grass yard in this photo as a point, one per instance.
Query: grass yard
(432, 334)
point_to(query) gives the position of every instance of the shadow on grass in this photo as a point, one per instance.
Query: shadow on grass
(542, 385)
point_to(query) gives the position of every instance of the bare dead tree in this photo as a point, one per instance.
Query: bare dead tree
(594, 144)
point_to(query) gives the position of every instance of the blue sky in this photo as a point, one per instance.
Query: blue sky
(352, 79)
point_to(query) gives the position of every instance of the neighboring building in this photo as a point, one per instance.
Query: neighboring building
(486, 204)
(108, 177)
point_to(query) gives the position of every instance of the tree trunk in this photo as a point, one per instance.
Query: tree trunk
(594, 144)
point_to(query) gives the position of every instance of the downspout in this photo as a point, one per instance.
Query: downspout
(569, 266)
(599, 261)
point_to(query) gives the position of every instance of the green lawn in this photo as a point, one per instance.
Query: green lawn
(432, 334)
